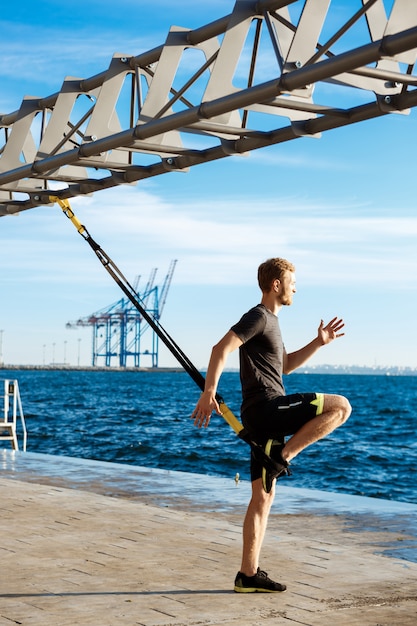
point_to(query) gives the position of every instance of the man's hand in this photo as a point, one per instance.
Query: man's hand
(328, 333)
(205, 406)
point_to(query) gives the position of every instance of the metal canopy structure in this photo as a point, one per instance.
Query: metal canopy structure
(270, 72)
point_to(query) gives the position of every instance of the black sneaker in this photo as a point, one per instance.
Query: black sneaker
(259, 583)
(273, 448)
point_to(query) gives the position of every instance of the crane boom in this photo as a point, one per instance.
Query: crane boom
(166, 285)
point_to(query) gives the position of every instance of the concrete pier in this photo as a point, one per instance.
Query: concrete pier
(101, 544)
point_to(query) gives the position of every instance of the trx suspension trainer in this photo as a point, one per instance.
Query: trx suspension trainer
(169, 342)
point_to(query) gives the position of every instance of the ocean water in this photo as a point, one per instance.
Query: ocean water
(143, 419)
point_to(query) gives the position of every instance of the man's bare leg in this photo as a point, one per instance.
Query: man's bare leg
(254, 526)
(336, 411)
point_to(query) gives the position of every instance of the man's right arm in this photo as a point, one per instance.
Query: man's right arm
(207, 402)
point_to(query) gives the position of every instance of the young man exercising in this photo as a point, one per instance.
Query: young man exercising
(266, 412)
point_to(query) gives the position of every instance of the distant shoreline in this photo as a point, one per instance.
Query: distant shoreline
(318, 369)
(88, 368)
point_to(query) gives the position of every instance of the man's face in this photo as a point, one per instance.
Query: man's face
(287, 288)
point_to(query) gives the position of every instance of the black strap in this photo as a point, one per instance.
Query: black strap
(169, 342)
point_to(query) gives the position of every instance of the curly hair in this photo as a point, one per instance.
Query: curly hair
(271, 270)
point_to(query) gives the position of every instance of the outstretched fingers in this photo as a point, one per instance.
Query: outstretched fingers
(335, 325)
(331, 331)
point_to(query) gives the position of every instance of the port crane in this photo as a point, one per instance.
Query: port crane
(118, 328)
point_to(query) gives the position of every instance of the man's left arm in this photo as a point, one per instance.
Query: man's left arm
(325, 335)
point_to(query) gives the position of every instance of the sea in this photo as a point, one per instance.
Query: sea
(142, 418)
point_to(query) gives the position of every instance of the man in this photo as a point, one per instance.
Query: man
(266, 412)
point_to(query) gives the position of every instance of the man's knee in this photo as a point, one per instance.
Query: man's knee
(345, 408)
(339, 405)
(260, 499)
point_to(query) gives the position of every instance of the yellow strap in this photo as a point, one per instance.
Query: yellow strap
(230, 418)
(65, 206)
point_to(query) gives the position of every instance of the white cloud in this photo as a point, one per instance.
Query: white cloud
(216, 242)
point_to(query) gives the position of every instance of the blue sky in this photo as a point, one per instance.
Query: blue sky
(341, 207)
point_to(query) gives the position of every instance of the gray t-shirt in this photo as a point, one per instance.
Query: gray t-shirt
(261, 355)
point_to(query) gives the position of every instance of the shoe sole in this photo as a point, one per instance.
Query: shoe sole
(256, 590)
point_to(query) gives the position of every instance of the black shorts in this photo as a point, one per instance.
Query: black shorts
(278, 418)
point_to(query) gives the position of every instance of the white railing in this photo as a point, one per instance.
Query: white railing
(12, 410)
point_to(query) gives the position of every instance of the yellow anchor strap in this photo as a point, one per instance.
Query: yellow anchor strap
(66, 208)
